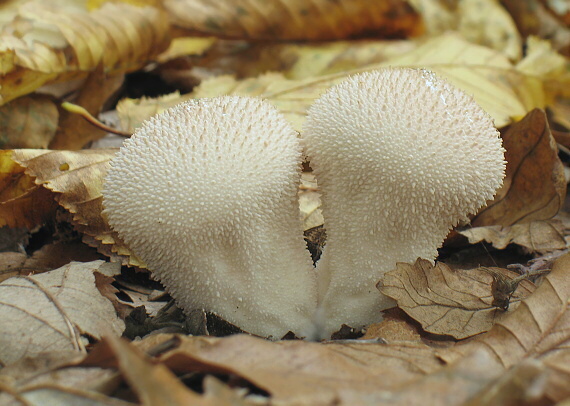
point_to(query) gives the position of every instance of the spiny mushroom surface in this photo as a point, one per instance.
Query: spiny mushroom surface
(206, 194)
(400, 157)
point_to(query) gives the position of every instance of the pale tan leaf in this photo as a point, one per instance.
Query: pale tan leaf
(51, 311)
(539, 236)
(78, 177)
(298, 372)
(504, 92)
(535, 185)
(295, 19)
(45, 45)
(455, 303)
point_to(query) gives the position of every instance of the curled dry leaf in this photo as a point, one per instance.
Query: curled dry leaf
(78, 178)
(299, 372)
(455, 303)
(76, 44)
(535, 185)
(22, 202)
(51, 311)
(296, 19)
(536, 237)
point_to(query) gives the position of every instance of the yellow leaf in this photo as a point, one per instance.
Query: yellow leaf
(43, 45)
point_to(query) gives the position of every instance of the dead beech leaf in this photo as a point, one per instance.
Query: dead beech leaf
(154, 384)
(52, 310)
(43, 45)
(295, 19)
(22, 202)
(540, 236)
(78, 178)
(446, 302)
(535, 185)
(483, 22)
(74, 132)
(538, 329)
(28, 122)
(504, 92)
(299, 372)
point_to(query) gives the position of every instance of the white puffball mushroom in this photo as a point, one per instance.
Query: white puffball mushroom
(206, 194)
(400, 156)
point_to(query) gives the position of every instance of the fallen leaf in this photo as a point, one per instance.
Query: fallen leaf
(51, 311)
(446, 302)
(28, 122)
(78, 177)
(45, 45)
(154, 384)
(533, 18)
(536, 237)
(535, 185)
(12, 264)
(22, 202)
(295, 19)
(298, 372)
(74, 132)
(504, 92)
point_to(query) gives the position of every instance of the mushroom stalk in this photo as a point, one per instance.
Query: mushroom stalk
(400, 157)
(206, 194)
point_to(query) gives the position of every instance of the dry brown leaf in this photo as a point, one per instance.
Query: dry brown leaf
(295, 19)
(44, 45)
(52, 310)
(22, 202)
(447, 302)
(535, 185)
(294, 60)
(79, 176)
(537, 237)
(538, 329)
(28, 122)
(297, 372)
(154, 384)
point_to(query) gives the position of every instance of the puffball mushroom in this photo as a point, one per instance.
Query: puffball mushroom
(400, 157)
(206, 194)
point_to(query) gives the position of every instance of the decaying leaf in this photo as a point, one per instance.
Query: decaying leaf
(22, 202)
(540, 236)
(297, 372)
(295, 19)
(28, 122)
(74, 132)
(44, 45)
(51, 311)
(455, 303)
(535, 185)
(78, 177)
(504, 92)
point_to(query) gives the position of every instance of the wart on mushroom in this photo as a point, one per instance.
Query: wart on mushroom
(205, 194)
(400, 157)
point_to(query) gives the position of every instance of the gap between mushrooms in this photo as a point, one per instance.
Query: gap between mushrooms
(205, 194)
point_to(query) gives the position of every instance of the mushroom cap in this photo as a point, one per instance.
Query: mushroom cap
(400, 157)
(205, 194)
